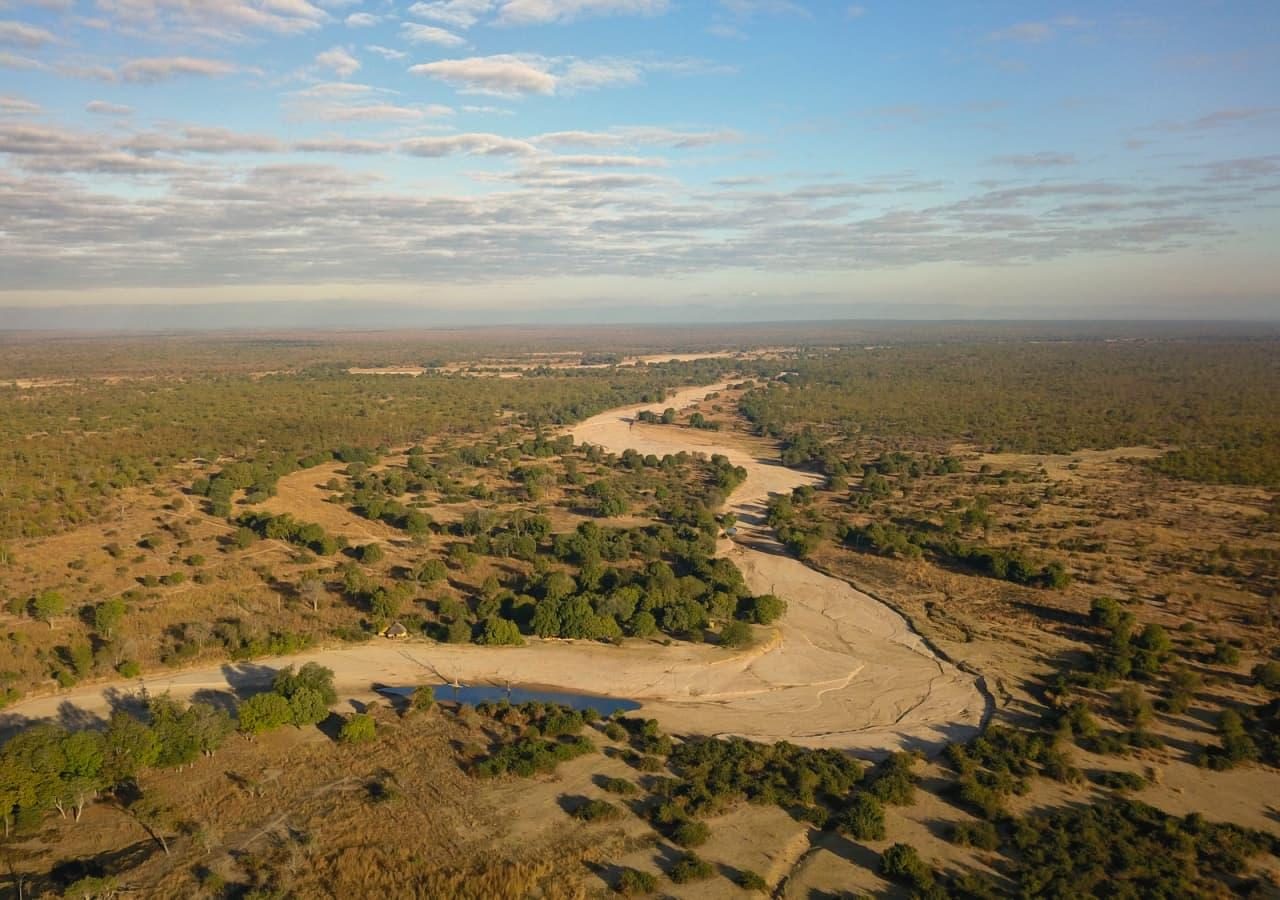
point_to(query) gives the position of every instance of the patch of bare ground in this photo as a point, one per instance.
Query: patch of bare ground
(303, 495)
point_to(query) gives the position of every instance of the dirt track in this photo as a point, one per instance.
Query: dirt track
(840, 669)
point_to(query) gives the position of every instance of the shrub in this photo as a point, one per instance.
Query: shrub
(620, 786)
(751, 881)
(864, 819)
(1225, 654)
(430, 571)
(691, 833)
(423, 697)
(982, 835)
(1132, 706)
(358, 729)
(895, 783)
(1121, 781)
(691, 867)
(634, 883)
(1105, 613)
(902, 863)
(1267, 675)
(597, 811)
(736, 634)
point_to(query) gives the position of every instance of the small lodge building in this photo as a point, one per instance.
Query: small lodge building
(396, 630)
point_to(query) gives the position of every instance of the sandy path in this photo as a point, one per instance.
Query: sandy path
(840, 669)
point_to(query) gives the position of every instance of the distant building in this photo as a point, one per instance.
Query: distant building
(396, 630)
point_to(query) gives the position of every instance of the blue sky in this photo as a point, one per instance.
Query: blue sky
(746, 156)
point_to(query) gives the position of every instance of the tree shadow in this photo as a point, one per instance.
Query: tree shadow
(861, 856)
(218, 699)
(75, 718)
(246, 679)
(133, 702)
(571, 803)
(330, 726)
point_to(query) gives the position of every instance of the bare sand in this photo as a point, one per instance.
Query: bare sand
(839, 670)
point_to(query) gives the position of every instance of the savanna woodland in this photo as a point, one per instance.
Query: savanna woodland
(788, 611)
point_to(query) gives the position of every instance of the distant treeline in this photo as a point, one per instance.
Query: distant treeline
(1216, 402)
(66, 451)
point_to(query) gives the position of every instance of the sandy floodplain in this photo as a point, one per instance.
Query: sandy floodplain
(839, 670)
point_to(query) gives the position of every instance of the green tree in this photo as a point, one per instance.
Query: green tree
(81, 655)
(312, 675)
(108, 615)
(430, 571)
(307, 707)
(765, 609)
(130, 746)
(500, 632)
(48, 604)
(264, 712)
(83, 757)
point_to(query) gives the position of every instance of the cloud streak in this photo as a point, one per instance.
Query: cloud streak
(163, 68)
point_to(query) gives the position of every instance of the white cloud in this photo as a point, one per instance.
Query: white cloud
(339, 89)
(218, 19)
(24, 35)
(362, 20)
(475, 144)
(162, 68)
(198, 139)
(417, 33)
(1037, 32)
(502, 74)
(1044, 159)
(456, 13)
(340, 145)
(511, 75)
(16, 106)
(386, 52)
(727, 31)
(375, 112)
(749, 9)
(103, 108)
(340, 61)
(637, 136)
(1024, 32)
(11, 61)
(542, 12)
(604, 161)
(1221, 118)
(584, 74)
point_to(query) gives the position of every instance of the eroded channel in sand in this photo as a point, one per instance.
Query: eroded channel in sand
(840, 670)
